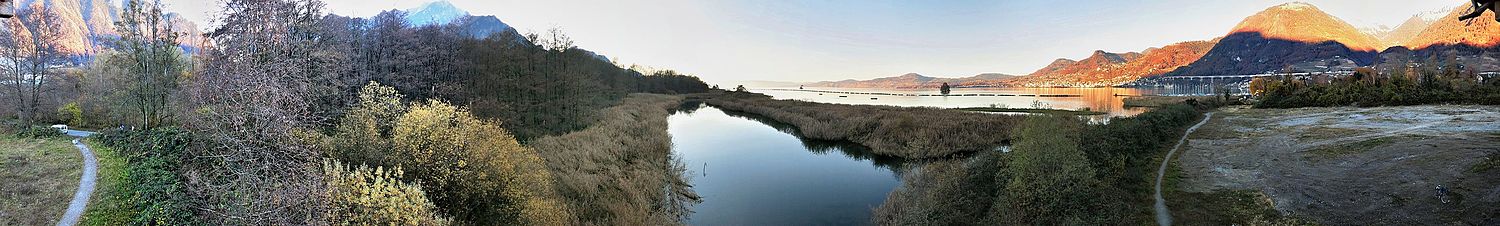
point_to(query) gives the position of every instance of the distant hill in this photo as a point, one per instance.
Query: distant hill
(1109, 69)
(1474, 43)
(1066, 72)
(761, 84)
(89, 25)
(916, 81)
(1296, 35)
(1409, 29)
(1479, 32)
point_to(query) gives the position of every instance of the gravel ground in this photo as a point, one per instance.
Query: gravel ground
(1355, 166)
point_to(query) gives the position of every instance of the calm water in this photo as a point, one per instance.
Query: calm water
(752, 171)
(1108, 100)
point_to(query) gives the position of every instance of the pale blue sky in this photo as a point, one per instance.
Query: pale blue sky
(812, 40)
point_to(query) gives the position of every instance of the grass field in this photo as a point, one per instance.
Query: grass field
(110, 205)
(37, 179)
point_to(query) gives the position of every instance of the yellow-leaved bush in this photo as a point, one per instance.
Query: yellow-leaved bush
(365, 196)
(472, 169)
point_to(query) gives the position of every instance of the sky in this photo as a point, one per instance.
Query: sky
(727, 41)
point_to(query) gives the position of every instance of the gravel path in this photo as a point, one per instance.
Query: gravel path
(1163, 217)
(85, 184)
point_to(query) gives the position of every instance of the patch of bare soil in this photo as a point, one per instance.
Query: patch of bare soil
(1355, 166)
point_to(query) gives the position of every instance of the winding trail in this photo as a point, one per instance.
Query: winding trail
(1163, 217)
(85, 184)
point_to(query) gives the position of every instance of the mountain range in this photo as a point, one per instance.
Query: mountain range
(917, 81)
(1296, 36)
(88, 25)
(442, 12)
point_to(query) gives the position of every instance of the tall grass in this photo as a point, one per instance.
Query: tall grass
(621, 170)
(908, 132)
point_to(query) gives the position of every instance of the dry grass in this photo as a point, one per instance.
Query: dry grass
(37, 179)
(893, 131)
(1324, 132)
(1346, 149)
(620, 170)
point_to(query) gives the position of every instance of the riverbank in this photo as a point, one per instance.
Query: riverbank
(621, 169)
(907, 132)
(1345, 166)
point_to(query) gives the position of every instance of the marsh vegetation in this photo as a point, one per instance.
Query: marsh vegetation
(906, 132)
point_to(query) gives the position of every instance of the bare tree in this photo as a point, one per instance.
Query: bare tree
(554, 40)
(254, 105)
(32, 51)
(152, 60)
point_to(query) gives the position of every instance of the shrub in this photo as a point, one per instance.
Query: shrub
(472, 169)
(1052, 177)
(1366, 88)
(72, 113)
(153, 183)
(39, 132)
(949, 192)
(365, 196)
(361, 137)
(1051, 181)
(475, 169)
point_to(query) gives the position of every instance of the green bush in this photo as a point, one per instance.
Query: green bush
(1053, 176)
(1370, 89)
(72, 113)
(1052, 182)
(39, 132)
(153, 183)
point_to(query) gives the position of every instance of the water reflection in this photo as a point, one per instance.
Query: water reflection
(754, 171)
(823, 147)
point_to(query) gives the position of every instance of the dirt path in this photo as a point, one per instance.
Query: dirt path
(1164, 217)
(1353, 166)
(85, 184)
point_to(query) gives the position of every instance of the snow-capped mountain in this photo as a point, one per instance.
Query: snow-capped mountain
(1399, 35)
(436, 12)
(1474, 43)
(1376, 30)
